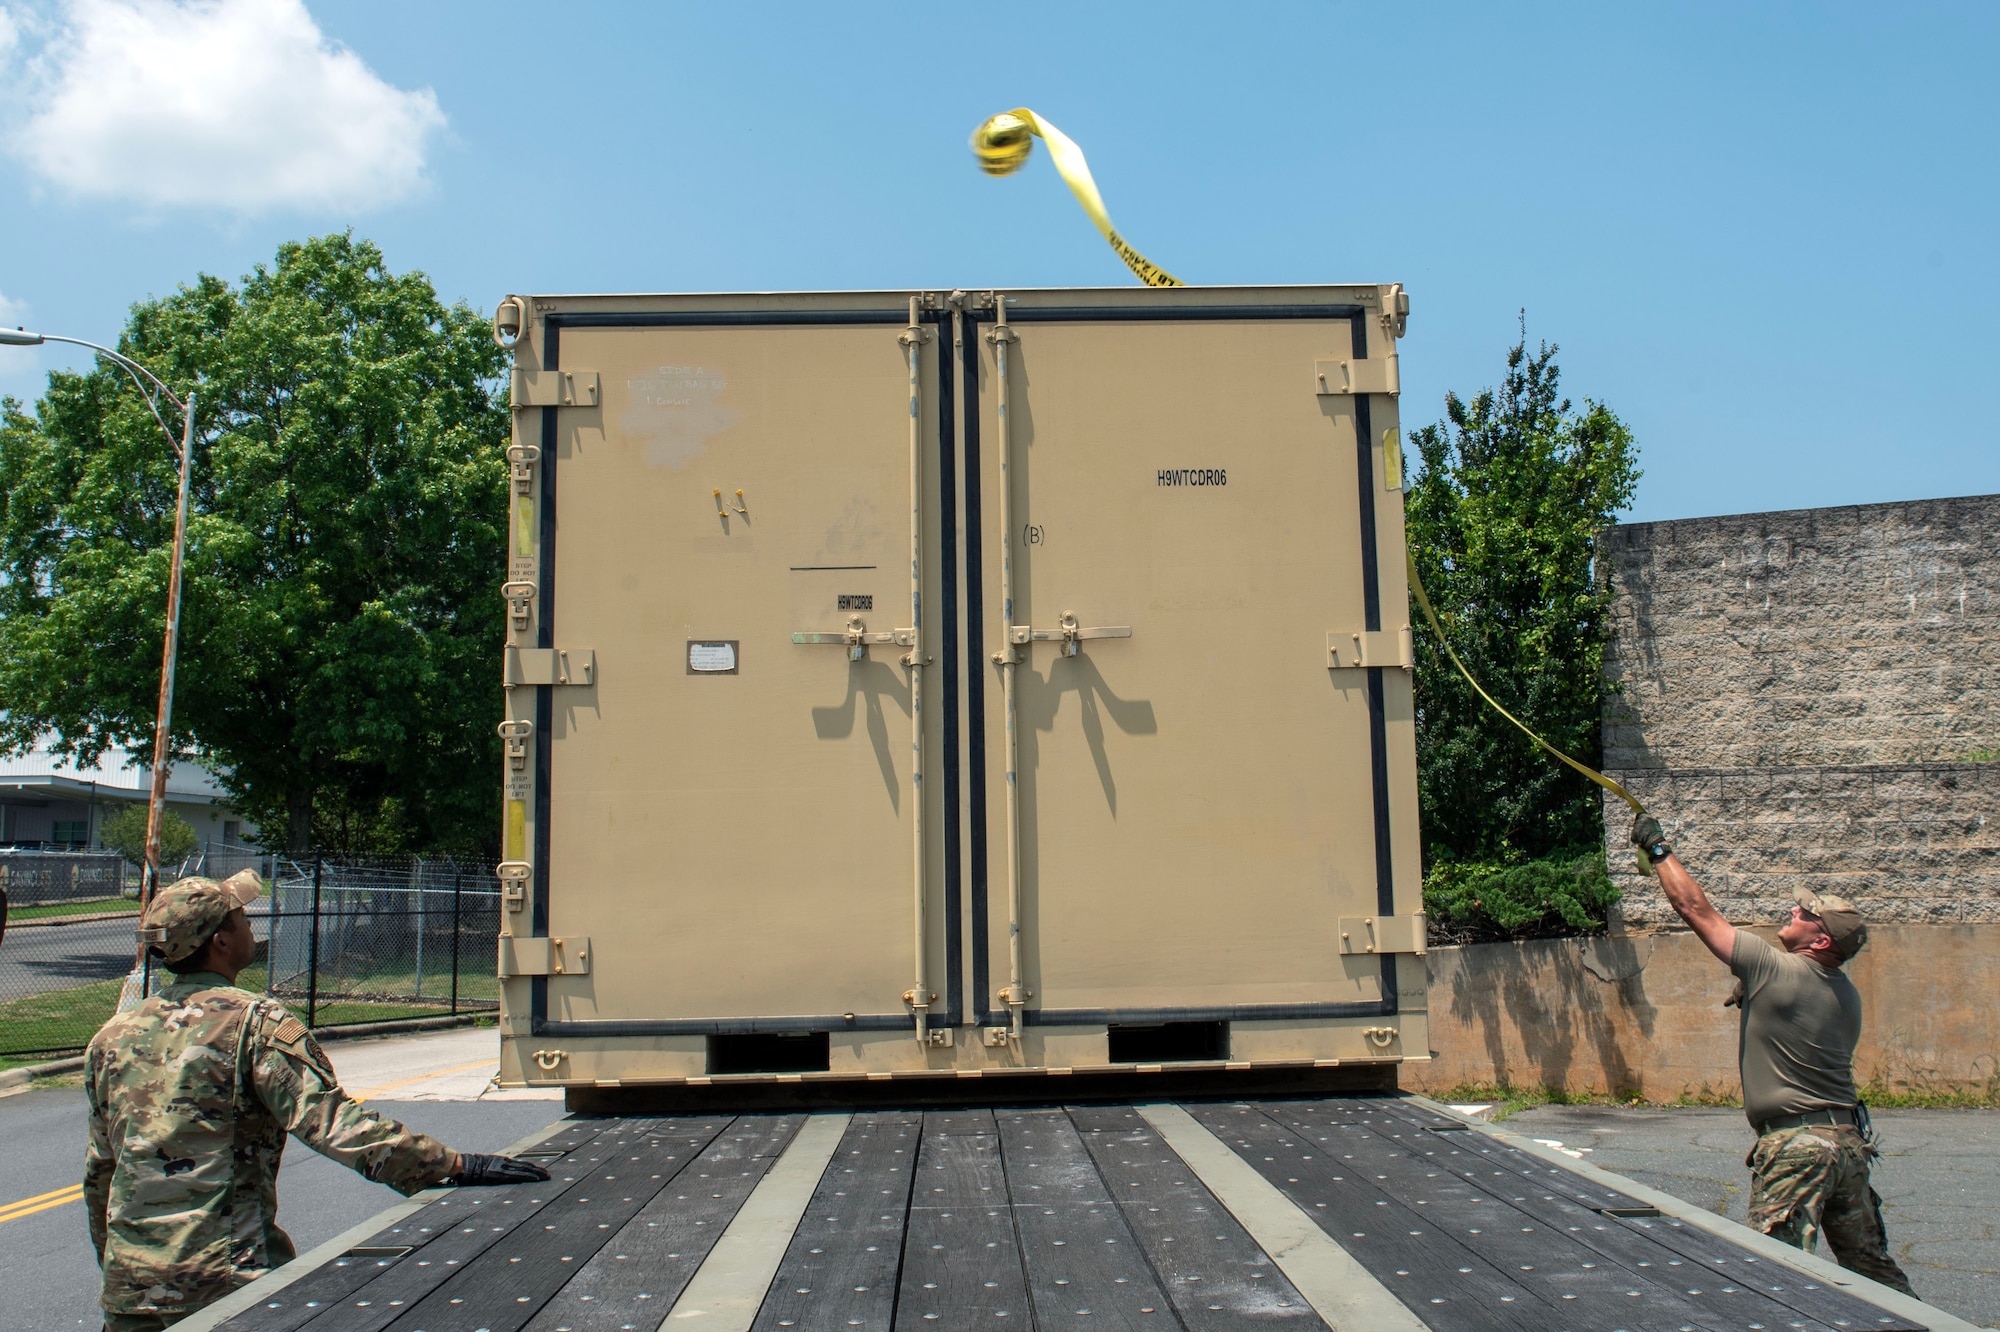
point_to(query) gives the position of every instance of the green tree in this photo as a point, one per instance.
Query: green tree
(125, 833)
(342, 620)
(1512, 489)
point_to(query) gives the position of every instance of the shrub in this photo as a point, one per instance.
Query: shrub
(1563, 893)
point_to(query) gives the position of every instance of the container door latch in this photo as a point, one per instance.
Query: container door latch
(1067, 632)
(856, 638)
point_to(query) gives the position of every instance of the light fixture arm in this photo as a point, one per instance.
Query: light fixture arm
(132, 368)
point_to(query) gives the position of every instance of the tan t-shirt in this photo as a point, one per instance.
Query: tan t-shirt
(1801, 1023)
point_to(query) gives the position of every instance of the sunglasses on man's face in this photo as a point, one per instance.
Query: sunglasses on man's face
(1800, 913)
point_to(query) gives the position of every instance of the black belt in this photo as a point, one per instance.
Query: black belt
(1842, 1115)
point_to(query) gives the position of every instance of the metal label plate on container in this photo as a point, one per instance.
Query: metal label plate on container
(712, 658)
(855, 601)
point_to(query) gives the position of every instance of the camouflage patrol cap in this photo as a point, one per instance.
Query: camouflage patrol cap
(1838, 917)
(185, 914)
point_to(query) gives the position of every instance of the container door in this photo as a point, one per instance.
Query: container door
(1204, 792)
(737, 827)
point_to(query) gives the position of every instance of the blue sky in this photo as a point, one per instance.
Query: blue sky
(1765, 235)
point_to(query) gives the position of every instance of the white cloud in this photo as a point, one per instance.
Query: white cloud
(238, 105)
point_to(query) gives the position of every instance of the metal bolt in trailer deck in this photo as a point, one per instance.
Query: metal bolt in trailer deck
(906, 686)
(1376, 1213)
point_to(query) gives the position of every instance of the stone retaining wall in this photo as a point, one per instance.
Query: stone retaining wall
(1642, 1014)
(1810, 697)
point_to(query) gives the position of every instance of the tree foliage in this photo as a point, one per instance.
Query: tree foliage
(1512, 489)
(341, 623)
(125, 832)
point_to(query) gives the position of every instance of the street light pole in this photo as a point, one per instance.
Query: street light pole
(156, 804)
(170, 651)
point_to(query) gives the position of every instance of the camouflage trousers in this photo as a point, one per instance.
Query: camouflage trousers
(150, 1322)
(1812, 1181)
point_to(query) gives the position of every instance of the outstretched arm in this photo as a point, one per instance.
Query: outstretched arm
(292, 1077)
(1693, 906)
(1684, 895)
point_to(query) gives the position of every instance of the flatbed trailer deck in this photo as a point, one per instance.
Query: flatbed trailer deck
(1377, 1212)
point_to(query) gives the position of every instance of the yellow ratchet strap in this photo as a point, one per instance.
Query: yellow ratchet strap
(1430, 616)
(1002, 145)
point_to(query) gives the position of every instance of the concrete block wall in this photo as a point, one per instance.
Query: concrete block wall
(1812, 697)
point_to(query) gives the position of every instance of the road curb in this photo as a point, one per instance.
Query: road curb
(42, 922)
(20, 1077)
(395, 1026)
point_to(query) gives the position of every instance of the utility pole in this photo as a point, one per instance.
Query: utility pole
(152, 390)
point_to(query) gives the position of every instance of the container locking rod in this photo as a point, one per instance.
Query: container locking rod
(1014, 996)
(912, 340)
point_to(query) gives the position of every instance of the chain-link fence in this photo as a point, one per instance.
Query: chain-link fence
(340, 941)
(41, 878)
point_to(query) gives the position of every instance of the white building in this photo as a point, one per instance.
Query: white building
(49, 801)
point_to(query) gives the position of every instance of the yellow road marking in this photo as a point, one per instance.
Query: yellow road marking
(40, 1197)
(40, 1203)
(425, 1077)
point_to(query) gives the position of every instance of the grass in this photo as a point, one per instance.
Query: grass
(96, 906)
(56, 1022)
(1508, 1100)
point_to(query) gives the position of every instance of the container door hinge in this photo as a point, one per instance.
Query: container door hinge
(554, 388)
(544, 957)
(856, 638)
(1067, 632)
(1375, 375)
(1358, 648)
(551, 666)
(1383, 934)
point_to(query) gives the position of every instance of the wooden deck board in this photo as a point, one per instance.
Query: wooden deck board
(356, 1294)
(1447, 1285)
(842, 1266)
(1798, 1296)
(636, 1276)
(1548, 1259)
(1213, 1272)
(961, 1256)
(1085, 1268)
(1050, 1217)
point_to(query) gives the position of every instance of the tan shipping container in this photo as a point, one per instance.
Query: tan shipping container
(915, 686)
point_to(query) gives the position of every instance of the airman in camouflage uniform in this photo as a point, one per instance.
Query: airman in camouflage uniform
(1801, 1019)
(191, 1097)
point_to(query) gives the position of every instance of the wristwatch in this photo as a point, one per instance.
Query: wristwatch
(1659, 851)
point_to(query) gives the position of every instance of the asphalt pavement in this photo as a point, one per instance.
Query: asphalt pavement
(34, 958)
(1939, 1179)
